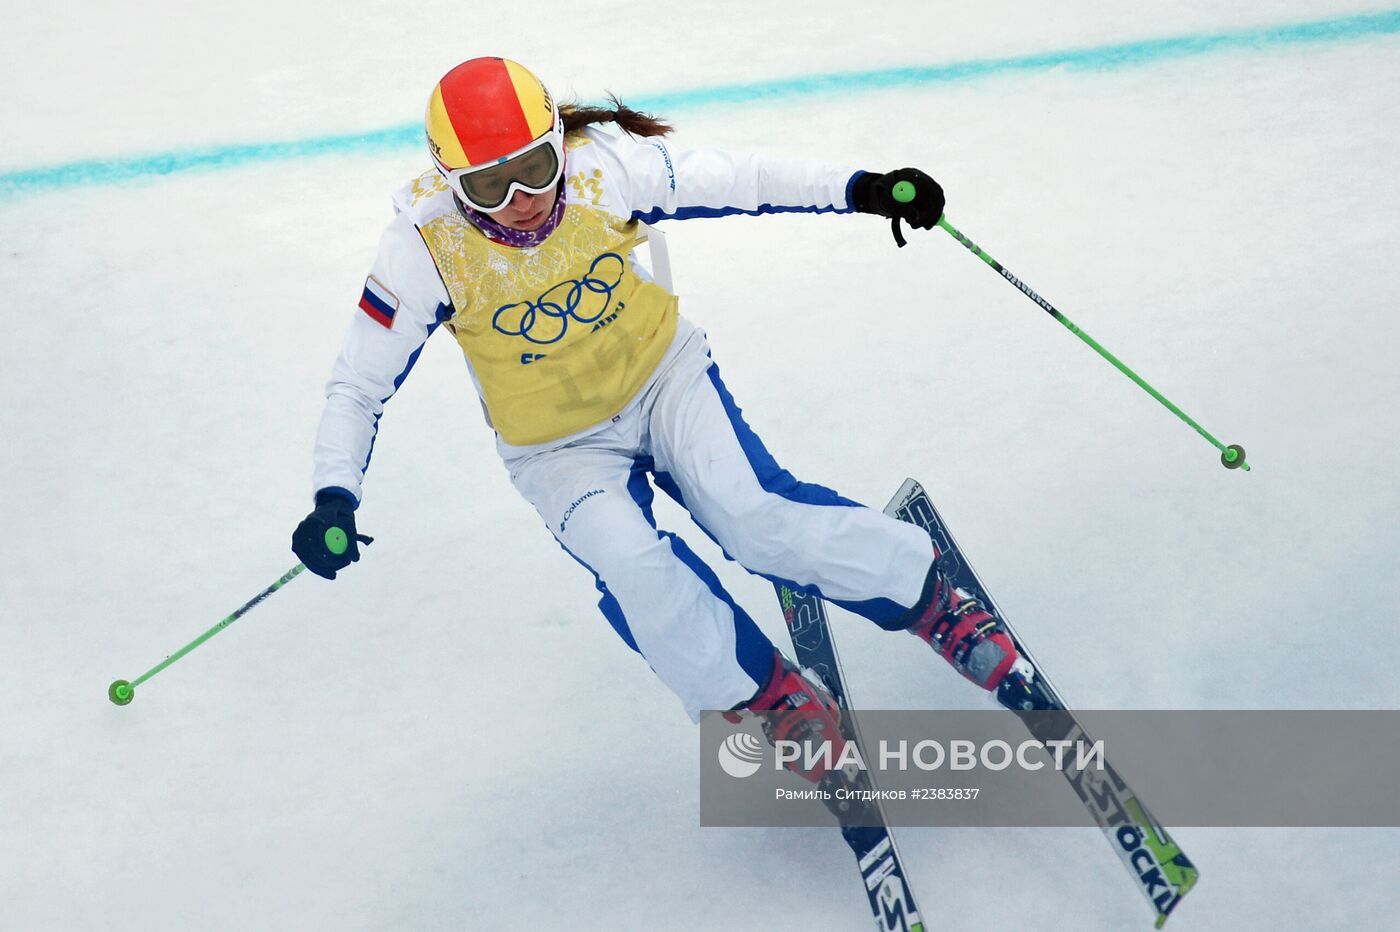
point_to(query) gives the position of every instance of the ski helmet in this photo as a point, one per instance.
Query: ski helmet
(493, 129)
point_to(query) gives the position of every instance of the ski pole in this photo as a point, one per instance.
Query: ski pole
(121, 692)
(1231, 457)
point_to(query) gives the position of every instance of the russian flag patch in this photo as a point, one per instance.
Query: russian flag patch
(379, 302)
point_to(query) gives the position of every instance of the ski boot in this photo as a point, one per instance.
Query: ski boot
(801, 710)
(961, 629)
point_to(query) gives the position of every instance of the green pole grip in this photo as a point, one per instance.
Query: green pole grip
(336, 541)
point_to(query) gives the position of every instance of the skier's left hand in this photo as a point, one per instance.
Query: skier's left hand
(875, 194)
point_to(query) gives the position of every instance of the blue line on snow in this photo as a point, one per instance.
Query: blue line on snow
(1128, 54)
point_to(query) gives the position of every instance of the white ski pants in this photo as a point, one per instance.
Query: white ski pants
(685, 430)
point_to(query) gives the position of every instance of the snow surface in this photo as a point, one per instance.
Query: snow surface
(450, 736)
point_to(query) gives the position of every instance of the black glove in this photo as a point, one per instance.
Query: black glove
(334, 509)
(874, 194)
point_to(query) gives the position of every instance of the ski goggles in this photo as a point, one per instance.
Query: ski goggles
(534, 169)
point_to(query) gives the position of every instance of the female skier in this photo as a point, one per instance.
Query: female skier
(520, 244)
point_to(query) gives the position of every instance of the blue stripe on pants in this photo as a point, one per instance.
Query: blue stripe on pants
(776, 480)
(753, 650)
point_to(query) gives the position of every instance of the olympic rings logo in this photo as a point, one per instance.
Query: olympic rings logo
(546, 319)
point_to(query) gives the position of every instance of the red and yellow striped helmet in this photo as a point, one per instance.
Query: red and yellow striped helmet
(488, 111)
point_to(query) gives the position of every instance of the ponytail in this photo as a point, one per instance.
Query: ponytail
(633, 122)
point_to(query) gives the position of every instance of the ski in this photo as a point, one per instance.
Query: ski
(1162, 871)
(881, 870)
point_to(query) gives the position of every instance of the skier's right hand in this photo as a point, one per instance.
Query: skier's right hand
(334, 509)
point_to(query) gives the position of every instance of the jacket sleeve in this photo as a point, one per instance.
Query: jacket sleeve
(403, 302)
(659, 183)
